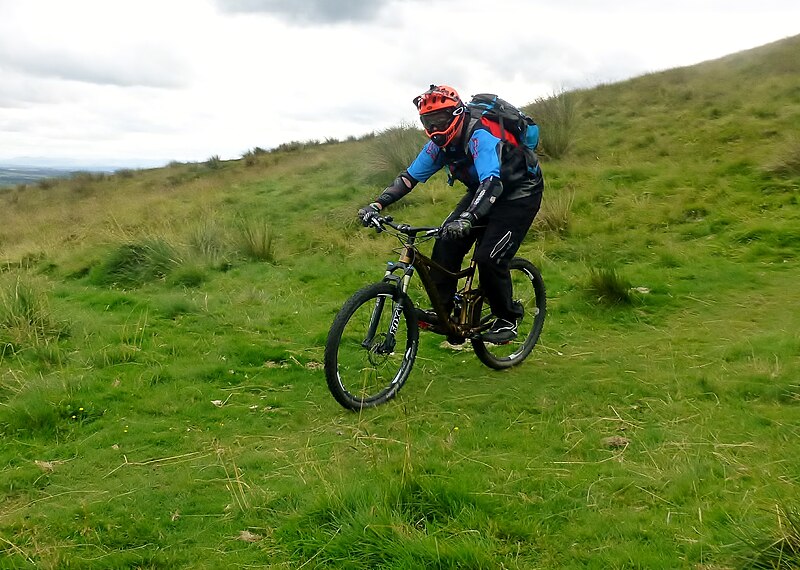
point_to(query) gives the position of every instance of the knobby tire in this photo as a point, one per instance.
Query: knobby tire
(530, 291)
(360, 369)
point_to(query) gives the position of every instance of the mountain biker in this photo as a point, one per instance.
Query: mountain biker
(504, 191)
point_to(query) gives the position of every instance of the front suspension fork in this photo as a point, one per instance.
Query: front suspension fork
(401, 282)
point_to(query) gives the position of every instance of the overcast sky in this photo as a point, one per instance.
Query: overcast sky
(150, 81)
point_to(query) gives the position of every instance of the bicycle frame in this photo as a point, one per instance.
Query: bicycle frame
(412, 259)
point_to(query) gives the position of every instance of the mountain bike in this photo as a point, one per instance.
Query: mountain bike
(373, 341)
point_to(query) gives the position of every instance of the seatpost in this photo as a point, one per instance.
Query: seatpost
(468, 282)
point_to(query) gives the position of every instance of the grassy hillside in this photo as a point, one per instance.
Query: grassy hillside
(162, 401)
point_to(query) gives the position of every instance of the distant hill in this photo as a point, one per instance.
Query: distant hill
(11, 176)
(27, 170)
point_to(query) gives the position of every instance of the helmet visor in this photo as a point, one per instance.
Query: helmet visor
(437, 121)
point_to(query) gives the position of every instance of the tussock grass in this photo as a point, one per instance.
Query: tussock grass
(26, 319)
(34, 412)
(125, 173)
(256, 239)
(393, 150)
(787, 163)
(135, 264)
(209, 240)
(606, 285)
(557, 117)
(252, 156)
(555, 214)
(214, 162)
(781, 550)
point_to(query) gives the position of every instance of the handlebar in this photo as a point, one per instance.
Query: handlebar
(427, 231)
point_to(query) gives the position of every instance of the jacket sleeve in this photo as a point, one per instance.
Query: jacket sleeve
(402, 185)
(486, 152)
(428, 162)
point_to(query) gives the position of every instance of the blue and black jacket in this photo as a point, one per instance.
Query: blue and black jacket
(492, 169)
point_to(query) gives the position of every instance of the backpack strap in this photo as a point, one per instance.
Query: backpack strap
(472, 124)
(500, 120)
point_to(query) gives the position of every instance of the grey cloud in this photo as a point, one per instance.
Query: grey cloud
(420, 71)
(141, 67)
(16, 94)
(309, 11)
(564, 66)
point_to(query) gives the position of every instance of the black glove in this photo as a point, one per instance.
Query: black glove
(458, 228)
(367, 213)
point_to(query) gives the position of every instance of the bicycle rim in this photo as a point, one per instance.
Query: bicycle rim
(529, 292)
(364, 365)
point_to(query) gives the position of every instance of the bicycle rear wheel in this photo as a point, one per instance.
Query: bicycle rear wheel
(365, 363)
(529, 293)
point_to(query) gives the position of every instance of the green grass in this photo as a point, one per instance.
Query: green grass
(163, 405)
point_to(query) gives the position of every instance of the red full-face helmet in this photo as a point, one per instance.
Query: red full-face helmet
(442, 114)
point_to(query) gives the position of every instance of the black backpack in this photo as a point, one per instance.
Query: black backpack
(511, 120)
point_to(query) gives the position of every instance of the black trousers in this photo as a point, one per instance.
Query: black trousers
(499, 235)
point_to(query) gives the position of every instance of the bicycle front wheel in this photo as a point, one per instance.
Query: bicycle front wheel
(371, 346)
(529, 295)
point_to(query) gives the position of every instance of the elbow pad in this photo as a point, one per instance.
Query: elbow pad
(486, 195)
(401, 186)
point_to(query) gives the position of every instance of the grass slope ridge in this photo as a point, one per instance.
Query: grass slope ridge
(162, 403)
